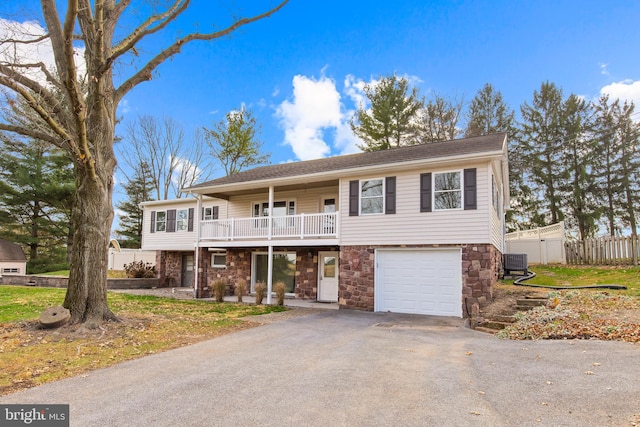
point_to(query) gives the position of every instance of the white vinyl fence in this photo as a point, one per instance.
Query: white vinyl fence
(544, 245)
(117, 260)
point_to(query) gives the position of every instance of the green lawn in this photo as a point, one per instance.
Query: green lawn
(562, 275)
(32, 356)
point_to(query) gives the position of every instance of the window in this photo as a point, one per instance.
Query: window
(182, 220)
(371, 196)
(207, 214)
(284, 269)
(10, 270)
(447, 191)
(219, 259)
(280, 208)
(161, 221)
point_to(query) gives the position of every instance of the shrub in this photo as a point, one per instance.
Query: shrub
(241, 287)
(280, 289)
(140, 270)
(219, 288)
(261, 290)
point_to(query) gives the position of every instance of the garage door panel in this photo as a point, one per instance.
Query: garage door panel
(419, 281)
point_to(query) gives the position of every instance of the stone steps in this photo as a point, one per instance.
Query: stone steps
(524, 304)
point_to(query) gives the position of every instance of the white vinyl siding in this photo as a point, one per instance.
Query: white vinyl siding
(13, 267)
(179, 241)
(497, 218)
(409, 225)
(306, 201)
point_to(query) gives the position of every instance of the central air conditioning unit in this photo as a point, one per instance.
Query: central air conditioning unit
(515, 265)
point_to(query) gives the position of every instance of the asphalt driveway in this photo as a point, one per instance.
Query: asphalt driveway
(352, 368)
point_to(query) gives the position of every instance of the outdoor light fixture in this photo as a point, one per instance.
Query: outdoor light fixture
(310, 253)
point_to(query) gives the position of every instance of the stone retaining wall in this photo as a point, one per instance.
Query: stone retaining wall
(62, 282)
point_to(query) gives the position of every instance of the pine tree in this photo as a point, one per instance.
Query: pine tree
(391, 120)
(139, 189)
(488, 114)
(580, 204)
(36, 188)
(540, 147)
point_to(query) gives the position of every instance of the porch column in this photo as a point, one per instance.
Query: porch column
(196, 266)
(270, 220)
(269, 274)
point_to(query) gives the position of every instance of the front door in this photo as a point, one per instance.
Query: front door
(187, 271)
(328, 276)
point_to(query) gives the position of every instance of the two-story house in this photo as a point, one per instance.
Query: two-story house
(416, 229)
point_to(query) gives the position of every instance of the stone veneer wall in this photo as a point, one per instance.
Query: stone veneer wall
(481, 264)
(238, 266)
(169, 268)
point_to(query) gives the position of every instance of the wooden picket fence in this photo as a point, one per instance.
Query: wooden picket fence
(603, 251)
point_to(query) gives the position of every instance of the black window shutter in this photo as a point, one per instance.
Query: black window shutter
(354, 198)
(171, 221)
(470, 199)
(216, 211)
(390, 195)
(190, 224)
(153, 221)
(425, 192)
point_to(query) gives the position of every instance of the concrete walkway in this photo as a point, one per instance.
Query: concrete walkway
(349, 368)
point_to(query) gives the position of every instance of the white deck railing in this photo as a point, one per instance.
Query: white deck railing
(302, 226)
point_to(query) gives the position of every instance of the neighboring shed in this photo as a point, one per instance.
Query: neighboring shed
(12, 259)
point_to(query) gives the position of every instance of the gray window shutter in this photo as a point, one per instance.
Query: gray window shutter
(171, 221)
(425, 192)
(390, 195)
(470, 198)
(153, 221)
(190, 224)
(216, 211)
(354, 198)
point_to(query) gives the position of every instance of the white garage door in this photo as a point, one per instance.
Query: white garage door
(419, 282)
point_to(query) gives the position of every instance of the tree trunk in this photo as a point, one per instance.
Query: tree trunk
(86, 296)
(92, 216)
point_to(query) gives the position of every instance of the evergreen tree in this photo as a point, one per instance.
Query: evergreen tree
(36, 188)
(540, 147)
(392, 118)
(580, 205)
(139, 189)
(618, 164)
(488, 114)
(234, 141)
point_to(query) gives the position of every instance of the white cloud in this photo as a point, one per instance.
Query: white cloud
(316, 121)
(314, 109)
(626, 90)
(32, 52)
(603, 69)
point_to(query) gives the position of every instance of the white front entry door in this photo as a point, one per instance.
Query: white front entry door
(328, 276)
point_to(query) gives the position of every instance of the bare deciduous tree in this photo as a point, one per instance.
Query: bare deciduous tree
(173, 162)
(83, 122)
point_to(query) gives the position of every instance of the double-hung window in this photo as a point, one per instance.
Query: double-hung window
(447, 190)
(182, 220)
(161, 221)
(371, 196)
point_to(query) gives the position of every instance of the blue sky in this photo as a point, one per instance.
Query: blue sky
(296, 70)
(302, 70)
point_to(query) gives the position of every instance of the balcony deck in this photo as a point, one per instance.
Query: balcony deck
(278, 228)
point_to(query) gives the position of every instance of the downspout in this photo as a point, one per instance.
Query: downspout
(270, 251)
(196, 266)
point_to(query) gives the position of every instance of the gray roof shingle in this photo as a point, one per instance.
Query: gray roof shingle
(434, 150)
(11, 252)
